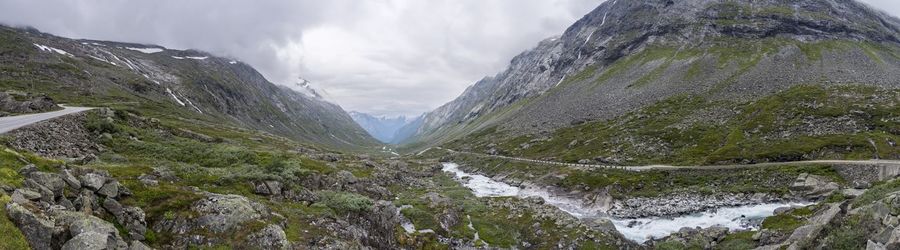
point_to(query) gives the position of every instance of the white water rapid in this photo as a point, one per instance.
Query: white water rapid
(639, 230)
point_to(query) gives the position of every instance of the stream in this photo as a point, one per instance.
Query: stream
(639, 230)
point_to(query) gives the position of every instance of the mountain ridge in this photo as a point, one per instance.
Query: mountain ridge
(387, 129)
(193, 82)
(625, 55)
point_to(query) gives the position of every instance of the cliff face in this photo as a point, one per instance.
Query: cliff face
(625, 55)
(190, 82)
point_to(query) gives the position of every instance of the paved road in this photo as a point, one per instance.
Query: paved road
(892, 163)
(13, 122)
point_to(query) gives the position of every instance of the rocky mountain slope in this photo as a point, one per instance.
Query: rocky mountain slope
(189, 83)
(626, 56)
(385, 129)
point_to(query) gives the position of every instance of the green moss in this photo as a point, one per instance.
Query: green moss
(749, 134)
(159, 200)
(876, 193)
(787, 222)
(739, 240)
(421, 218)
(344, 203)
(652, 76)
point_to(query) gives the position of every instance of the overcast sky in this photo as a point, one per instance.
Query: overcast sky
(385, 57)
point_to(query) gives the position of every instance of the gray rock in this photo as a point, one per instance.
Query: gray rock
(39, 230)
(345, 177)
(148, 180)
(137, 245)
(270, 237)
(47, 195)
(274, 187)
(27, 194)
(93, 181)
(852, 192)
(107, 112)
(110, 189)
(66, 204)
(113, 207)
(890, 221)
(783, 210)
(268, 188)
(89, 241)
(813, 186)
(86, 223)
(870, 245)
(49, 180)
(27, 169)
(135, 222)
(70, 179)
(86, 201)
(220, 213)
(261, 189)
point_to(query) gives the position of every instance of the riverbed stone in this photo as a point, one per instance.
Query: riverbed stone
(813, 186)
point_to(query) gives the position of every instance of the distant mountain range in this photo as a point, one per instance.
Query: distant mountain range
(392, 130)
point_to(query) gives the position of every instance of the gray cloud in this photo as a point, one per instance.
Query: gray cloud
(382, 57)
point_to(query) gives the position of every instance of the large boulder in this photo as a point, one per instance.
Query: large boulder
(813, 186)
(270, 237)
(94, 181)
(220, 213)
(273, 188)
(39, 230)
(90, 241)
(109, 190)
(70, 179)
(135, 222)
(51, 181)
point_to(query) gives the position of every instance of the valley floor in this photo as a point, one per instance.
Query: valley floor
(118, 178)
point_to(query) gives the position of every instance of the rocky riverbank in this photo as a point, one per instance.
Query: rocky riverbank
(685, 203)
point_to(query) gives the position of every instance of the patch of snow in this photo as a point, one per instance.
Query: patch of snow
(192, 104)
(175, 97)
(588, 38)
(129, 64)
(197, 57)
(423, 151)
(178, 57)
(146, 50)
(232, 62)
(102, 60)
(52, 49)
(560, 81)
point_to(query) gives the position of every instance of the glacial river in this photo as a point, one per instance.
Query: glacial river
(641, 229)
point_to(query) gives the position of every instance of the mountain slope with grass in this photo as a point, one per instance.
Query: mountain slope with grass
(189, 84)
(634, 79)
